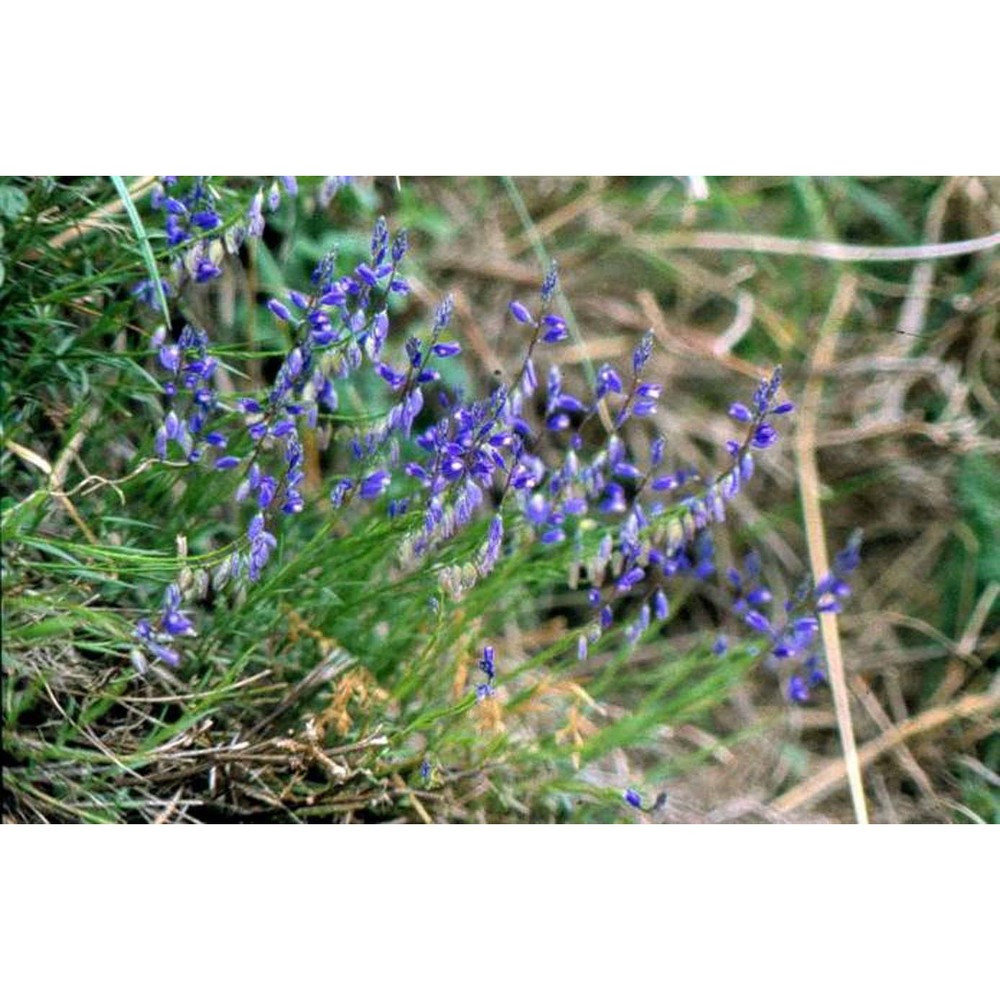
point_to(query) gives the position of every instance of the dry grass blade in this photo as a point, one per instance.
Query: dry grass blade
(903, 755)
(820, 249)
(809, 488)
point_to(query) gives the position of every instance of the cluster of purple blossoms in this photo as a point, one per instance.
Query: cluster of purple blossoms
(335, 327)
(633, 523)
(792, 637)
(825, 598)
(464, 452)
(188, 387)
(197, 233)
(645, 542)
(189, 220)
(650, 541)
(173, 623)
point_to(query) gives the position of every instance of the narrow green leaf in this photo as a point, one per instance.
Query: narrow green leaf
(144, 245)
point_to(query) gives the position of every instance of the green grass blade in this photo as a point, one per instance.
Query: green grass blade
(144, 245)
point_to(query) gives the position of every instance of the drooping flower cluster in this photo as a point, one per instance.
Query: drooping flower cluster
(200, 234)
(796, 644)
(792, 630)
(190, 396)
(648, 542)
(172, 624)
(336, 327)
(190, 221)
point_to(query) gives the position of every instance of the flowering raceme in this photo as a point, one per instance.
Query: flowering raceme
(539, 462)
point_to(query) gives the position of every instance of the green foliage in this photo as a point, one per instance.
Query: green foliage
(979, 497)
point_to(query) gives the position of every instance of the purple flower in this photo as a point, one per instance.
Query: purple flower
(554, 329)
(280, 310)
(282, 428)
(487, 663)
(443, 314)
(816, 676)
(169, 656)
(172, 426)
(764, 436)
(175, 232)
(375, 484)
(806, 627)
(395, 379)
(400, 245)
(334, 297)
(173, 621)
(205, 271)
(206, 220)
(340, 491)
(564, 401)
(491, 549)
(145, 292)
(757, 621)
(255, 216)
(798, 690)
(629, 579)
(625, 470)
(446, 350)
(665, 483)
(661, 606)
(849, 558)
(367, 275)
(520, 313)
(608, 380)
(633, 798)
